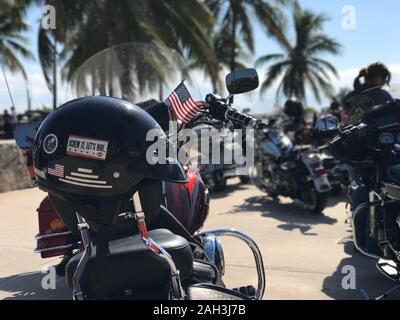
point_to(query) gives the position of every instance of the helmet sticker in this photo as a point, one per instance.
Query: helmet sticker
(86, 178)
(55, 169)
(50, 144)
(87, 148)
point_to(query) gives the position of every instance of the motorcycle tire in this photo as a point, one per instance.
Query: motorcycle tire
(318, 203)
(244, 179)
(337, 190)
(219, 182)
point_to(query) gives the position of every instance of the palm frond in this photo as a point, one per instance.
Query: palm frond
(303, 65)
(268, 58)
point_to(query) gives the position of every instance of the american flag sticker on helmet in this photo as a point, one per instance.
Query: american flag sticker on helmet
(55, 169)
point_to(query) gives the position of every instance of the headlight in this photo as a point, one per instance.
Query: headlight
(386, 138)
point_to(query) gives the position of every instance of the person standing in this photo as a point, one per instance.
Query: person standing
(6, 115)
(14, 117)
(368, 92)
(8, 128)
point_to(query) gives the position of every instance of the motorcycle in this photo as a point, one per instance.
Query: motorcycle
(171, 258)
(288, 170)
(372, 147)
(326, 128)
(216, 175)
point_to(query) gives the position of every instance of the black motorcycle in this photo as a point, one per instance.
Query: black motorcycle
(372, 148)
(129, 245)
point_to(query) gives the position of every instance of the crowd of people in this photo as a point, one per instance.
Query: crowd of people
(8, 123)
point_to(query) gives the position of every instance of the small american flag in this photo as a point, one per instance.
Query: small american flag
(183, 105)
(56, 170)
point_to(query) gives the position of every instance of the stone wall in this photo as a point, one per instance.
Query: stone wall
(13, 171)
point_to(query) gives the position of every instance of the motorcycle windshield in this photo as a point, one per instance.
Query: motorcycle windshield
(137, 72)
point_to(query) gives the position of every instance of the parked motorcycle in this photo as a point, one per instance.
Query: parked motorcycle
(325, 128)
(216, 176)
(288, 170)
(129, 257)
(372, 147)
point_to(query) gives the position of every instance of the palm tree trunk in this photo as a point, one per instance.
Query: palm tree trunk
(160, 90)
(214, 85)
(233, 43)
(8, 87)
(55, 74)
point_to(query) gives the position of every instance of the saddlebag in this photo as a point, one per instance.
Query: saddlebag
(131, 267)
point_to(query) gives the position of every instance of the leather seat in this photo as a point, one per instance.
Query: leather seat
(394, 174)
(131, 265)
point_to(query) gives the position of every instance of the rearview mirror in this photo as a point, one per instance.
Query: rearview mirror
(326, 129)
(242, 81)
(25, 136)
(327, 123)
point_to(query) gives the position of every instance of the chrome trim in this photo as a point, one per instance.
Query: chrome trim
(254, 248)
(177, 291)
(88, 251)
(396, 252)
(383, 272)
(49, 236)
(214, 252)
(207, 198)
(357, 211)
(38, 250)
(356, 184)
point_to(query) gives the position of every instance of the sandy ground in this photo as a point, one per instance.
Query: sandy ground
(305, 255)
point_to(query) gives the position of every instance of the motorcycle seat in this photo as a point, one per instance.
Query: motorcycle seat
(393, 173)
(130, 265)
(212, 292)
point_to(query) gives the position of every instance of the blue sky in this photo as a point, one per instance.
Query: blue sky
(376, 37)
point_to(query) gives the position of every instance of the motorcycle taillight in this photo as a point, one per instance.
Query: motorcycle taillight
(320, 171)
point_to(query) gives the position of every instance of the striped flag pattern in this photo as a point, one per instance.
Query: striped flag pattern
(183, 105)
(55, 170)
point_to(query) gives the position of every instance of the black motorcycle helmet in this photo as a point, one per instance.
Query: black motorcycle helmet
(294, 108)
(91, 154)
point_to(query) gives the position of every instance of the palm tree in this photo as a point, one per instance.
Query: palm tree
(237, 20)
(222, 51)
(68, 12)
(12, 43)
(88, 27)
(301, 64)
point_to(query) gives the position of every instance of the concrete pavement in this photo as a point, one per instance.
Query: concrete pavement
(304, 254)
